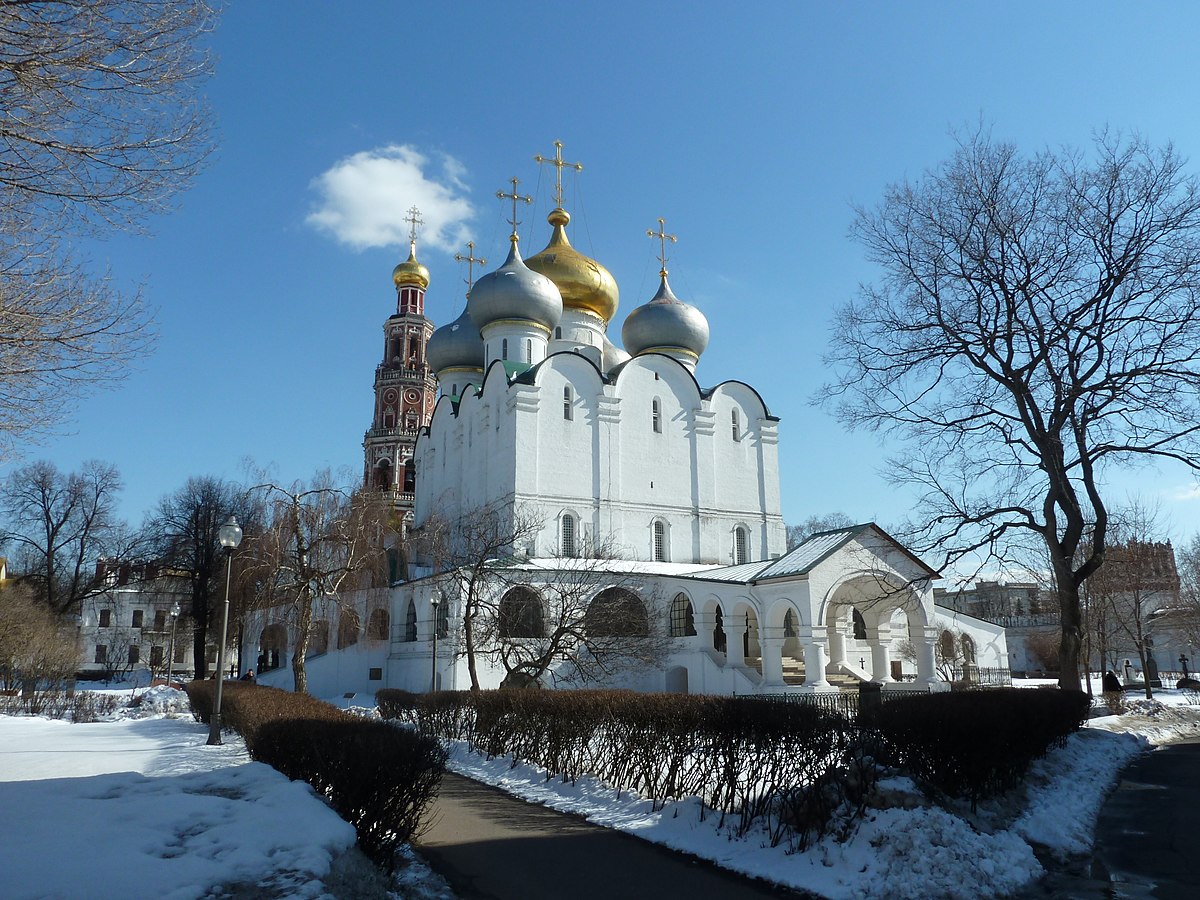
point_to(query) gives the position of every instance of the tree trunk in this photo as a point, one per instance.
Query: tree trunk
(1072, 619)
(469, 643)
(303, 624)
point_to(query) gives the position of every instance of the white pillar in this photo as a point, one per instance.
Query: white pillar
(880, 639)
(735, 635)
(772, 658)
(926, 667)
(837, 646)
(813, 640)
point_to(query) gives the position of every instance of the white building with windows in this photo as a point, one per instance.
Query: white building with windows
(625, 450)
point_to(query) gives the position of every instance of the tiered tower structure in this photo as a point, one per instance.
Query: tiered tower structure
(405, 387)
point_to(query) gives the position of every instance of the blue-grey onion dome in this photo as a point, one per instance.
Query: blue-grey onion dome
(514, 291)
(665, 323)
(456, 346)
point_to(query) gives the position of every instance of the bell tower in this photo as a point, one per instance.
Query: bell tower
(405, 388)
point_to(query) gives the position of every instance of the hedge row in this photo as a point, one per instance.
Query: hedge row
(788, 767)
(378, 778)
(978, 743)
(792, 767)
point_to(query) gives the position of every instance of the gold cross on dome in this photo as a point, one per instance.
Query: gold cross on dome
(663, 237)
(514, 197)
(413, 218)
(559, 165)
(470, 259)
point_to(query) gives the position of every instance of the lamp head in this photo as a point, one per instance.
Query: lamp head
(230, 533)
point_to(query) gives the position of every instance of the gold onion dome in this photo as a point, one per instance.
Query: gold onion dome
(583, 282)
(411, 271)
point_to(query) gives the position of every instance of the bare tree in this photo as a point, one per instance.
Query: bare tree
(318, 541)
(59, 525)
(184, 535)
(1188, 566)
(102, 123)
(1036, 324)
(36, 646)
(798, 534)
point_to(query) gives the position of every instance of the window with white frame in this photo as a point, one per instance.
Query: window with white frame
(568, 544)
(656, 416)
(567, 398)
(737, 426)
(660, 541)
(741, 545)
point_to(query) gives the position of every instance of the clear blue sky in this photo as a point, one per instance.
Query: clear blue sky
(750, 127)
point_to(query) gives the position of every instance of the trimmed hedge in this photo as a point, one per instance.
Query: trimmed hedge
(378, 778)
(789, 767)
(978, 743)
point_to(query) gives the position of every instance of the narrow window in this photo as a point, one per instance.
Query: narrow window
(137, 618)
(660, 542)
(737, 432)
(156, 656)
(567, 403)
(101, 653)
(656, 416)
(528, 350)
(105, 618)
(558, 334)
(504, 349)
(741, 546)
(160, 620)
(410, 623)
(135, 655)
(568, 535)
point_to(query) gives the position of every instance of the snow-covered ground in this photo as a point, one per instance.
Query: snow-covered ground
(139, 806)
(161, 814)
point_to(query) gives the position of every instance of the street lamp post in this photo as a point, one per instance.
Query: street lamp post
(230, 535)
(171, 650)
(433, 671)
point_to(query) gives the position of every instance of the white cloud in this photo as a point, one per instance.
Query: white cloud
(363, 199)
(1184, 492)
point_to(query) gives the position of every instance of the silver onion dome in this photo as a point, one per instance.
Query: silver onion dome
(514, 291)
(455, 346)
(665, 323)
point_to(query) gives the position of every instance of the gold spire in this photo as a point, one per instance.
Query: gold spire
(663, 237)
(470, 259)
(411, 272)
(559, 165)
(514, 197)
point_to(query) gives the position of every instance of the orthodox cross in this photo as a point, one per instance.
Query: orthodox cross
(413, 218)
(514, 197)
(559, 165)
(470, 259)
(663, 237)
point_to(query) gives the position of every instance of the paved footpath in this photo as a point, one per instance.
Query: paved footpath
(492, 846)
(1148, 833)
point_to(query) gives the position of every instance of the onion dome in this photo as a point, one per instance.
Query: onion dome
(665, 324)
(514, 291)
(411, 272)
(455, 346)
(583, 282)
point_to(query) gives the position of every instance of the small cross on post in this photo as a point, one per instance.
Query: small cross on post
(663, 237)
(470, 259)
(515, 198)
(559, 165)
(414, 220)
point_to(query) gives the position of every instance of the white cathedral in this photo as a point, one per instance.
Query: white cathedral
(538, 413)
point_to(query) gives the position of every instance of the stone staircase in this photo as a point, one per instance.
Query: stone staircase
(793, 673)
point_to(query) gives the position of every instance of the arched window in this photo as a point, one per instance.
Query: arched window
(737, 427)
(789, 624)
(968, 649)
(504, 349)
(528, 350)
(741, 545)
(383, 476)
(377, 625)
(347, 629)
(410, 623)
(521, 614)
(557, 333)
(659, 541)
(410, 476)
(443, 619)
(719, 630)
(318, 638)
(616, 612)
(946, 646)
(860, 625)
(683, 619)
(567, 403)
(656, 416)
(567, 543)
